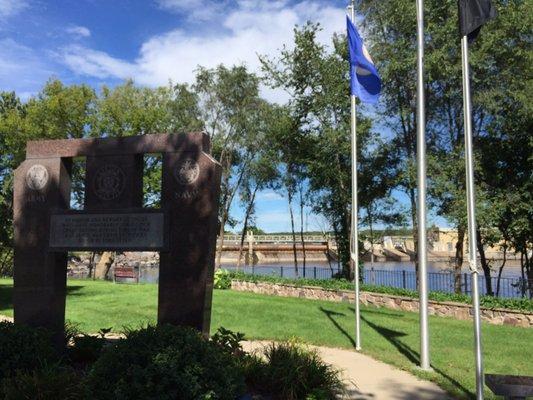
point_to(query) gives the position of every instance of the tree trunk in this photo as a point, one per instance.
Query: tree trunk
(343, 244)
(293, 236)
(221, 239)
(302, 227)
(337, 240)
(414, 220)
(245, 225)
(500, 271)
(484, 264)
(529, 273)
(459, 258)
(328, 255)
(371, 226)
(241, 245)
(523, 287)
(104, 265)
(91, 264)
(223, 217)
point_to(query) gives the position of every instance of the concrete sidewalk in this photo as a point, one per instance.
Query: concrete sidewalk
(369, 379)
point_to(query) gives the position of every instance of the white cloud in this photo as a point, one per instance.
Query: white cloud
(269, 195)
(9, 8)
(195, 10)
(21, 68)
(252, 28)
(97, 63)
(79, 31)
(180, 5)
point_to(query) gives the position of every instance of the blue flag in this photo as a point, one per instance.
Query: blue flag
(365, 82)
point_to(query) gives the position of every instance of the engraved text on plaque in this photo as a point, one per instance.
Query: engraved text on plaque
(132, 231)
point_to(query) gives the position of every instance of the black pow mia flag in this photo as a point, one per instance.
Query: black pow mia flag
(472, 15)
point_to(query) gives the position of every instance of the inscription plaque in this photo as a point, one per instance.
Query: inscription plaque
(131, 231)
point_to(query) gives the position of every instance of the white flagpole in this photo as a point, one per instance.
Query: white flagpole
(471, 210)
(421, 179)
(354, 244)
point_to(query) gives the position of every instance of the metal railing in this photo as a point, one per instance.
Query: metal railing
(277, 238)
(287, 271)
(510, 287)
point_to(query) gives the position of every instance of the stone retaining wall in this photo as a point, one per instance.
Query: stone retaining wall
(461, 311)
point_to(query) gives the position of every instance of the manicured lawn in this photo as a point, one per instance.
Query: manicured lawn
(391, 336)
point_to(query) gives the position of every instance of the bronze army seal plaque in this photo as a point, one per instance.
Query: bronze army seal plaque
(109, 182)
(187, 172)
(37, 177)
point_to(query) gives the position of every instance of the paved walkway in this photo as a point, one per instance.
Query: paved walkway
(369, 379)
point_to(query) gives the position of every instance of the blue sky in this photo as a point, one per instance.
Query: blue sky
(153, 41)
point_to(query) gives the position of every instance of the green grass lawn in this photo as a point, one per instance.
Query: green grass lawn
(387, 335)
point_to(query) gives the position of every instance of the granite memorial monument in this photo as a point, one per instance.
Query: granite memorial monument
(183, 229)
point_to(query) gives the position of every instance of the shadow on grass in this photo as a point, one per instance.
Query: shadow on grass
(393, 336)
(72, 290)
(330, 314)
(380, 312)
(6, 295)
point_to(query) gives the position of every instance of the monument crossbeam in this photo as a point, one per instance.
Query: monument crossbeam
(145, 144)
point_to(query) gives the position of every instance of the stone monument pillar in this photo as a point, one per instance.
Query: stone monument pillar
(184, 229)
(190, 193)
(41, 185)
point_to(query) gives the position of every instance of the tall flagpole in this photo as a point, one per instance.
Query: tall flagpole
(471, 209)
(421, 179)
(354, 244)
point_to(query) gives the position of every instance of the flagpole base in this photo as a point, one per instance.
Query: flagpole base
(428, 369)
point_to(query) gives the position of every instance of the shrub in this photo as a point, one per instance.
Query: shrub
(165, 362)
(24, 349)
(222, 279)
(292, 372)
(229, 341)
(53, 382)
(85, 349)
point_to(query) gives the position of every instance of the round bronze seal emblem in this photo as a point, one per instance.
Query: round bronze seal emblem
(187, 172)
(37, 177)
(109, 182)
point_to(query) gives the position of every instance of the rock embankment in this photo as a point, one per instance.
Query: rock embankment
(496, 316)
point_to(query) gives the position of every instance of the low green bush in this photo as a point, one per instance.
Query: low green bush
(521, 304)
(54, 382)
(222, 279)
(165, 362)
(24, 349)
(282, 371)
(289, 371)
(228, 341)
(85, 349)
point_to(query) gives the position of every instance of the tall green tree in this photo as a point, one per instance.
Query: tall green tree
(231, 110)
(318, 127)
(499, 60)
(390, 30)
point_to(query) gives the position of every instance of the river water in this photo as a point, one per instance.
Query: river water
(408, 266)
(394, 274)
